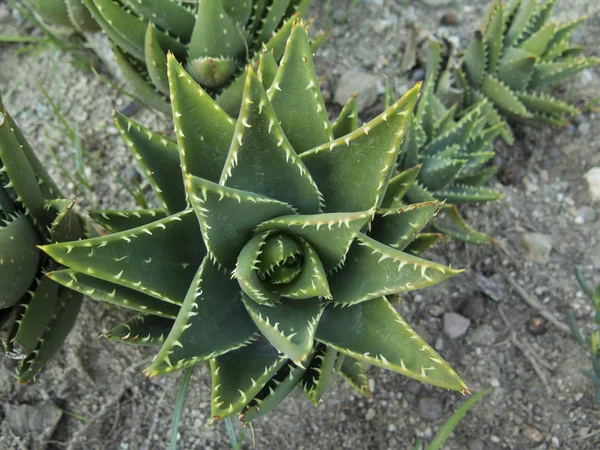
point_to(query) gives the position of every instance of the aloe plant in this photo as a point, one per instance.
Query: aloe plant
(70, 14)
(259, 259)
(36, 313)
(513, 56)
(214, 39)
(442, 160)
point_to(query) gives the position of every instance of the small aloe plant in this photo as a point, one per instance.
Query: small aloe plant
(442, 160)
(70, 14)
(260, 260)
(513, 56)
(214, 39)
(36, 313)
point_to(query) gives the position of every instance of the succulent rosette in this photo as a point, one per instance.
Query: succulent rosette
(272, 255)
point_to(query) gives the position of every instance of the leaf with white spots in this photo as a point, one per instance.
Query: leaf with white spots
(116, 220)
(143, 330)
(375, 333)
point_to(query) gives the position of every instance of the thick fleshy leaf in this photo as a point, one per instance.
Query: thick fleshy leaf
(398, 186)
(156, 60)
(204, 131)
(544, 104)
(347, 121)
(212, 321)
(398, 227)
(475, 59)
(229, 216)
(113, 293)
(296, 95)
(122, 220)
(56, 331)
(423, 242)
(167, 14)
(552, 72)
(19, 259)
(320, 373)
(288, 325)
(143, 330)
(159, 159)
(515, 68)
(261, 160)
(267, 68)
(329, 234)
(238, 376)
(438, 172)
(373, 269)
(537, 43)
(274, 14)
(353, 372)
(451, 223)
(374, 332)
(274, 392)
(503, 97)
(352, 172)
(466, 194)
(519, 22)
(493, 37)
(161, 267)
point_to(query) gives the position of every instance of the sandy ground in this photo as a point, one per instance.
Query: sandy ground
(544, 191)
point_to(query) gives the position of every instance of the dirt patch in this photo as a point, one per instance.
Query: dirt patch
(544, 192)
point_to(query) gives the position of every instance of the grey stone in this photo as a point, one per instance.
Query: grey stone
(355, 81)
(36, 421)
(370, 414)
(585, 214)
(436, 3)
(475, 444)
(484, 335)
(593, 179)
(537, 247)
(430, 408)
(455, 325)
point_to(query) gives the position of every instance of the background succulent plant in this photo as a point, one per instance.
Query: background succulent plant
(70, 14)
(36, 314)
(513, 56)
(259, 259)
(442, 160)
(214, 39)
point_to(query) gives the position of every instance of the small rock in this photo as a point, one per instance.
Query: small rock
(532, 434)
(449, 19)
(475, 444)
(355, 81)
(536, 325)
(578, 396)
(430, 408)
(392, 427)
(436, 2)
(455, 325)
(585, 214)
(555, 442)
(484, 335)
(439, 344)
(584, 128)
(36, 421)
(370, 414)
(436, 311)
(593, 179)
(537, 246)
(472, 307)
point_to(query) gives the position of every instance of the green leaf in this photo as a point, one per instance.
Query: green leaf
(544, 104)
(143, 330)
(375, 333)
(267, 68)
(156, 60)
(166, 255)
(552, 72)
(320, 373)
(399, 226)
(166, 14)
(353, 372)
(238, 376)
(423, 242)
(538, 42)
(122, 220)
(347, 121)
(398, 187)
(212, 321)
(466, 194)
(288, 325)
(519, 22)
(515, 68)
(475, 59)
(501, 96)
(296, 95)
(373, 269)
(19, 259)
(228, 217)
(260, 147)
(329, 234)
(113, 293)
(438, 172)
(158, 158)
(352, 172)
(274, 392)
(451, 223)
(203, 143)
(274, 14)
(493, 36)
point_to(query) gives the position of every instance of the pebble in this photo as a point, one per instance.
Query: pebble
(578, 396)
(532, 434)
(593, 179)
(455, 325)
(430, 408)
(585, 214)
(484, 335)
(370, 414)
(449, 19)
(536, 325)
(366, 84)
(475, 444)
(436, 2)
(537, 247)
(392, 427)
